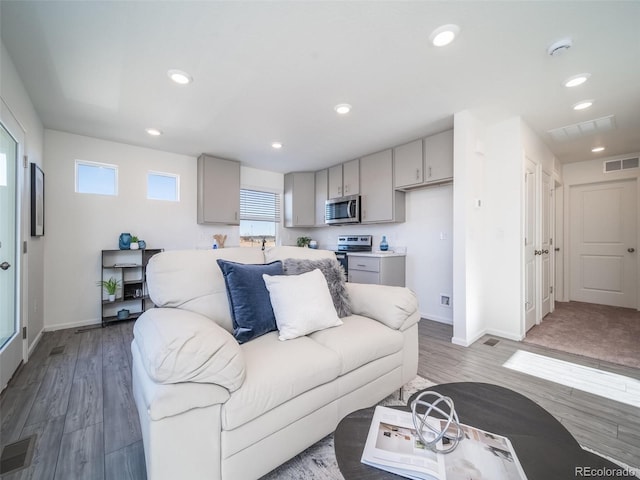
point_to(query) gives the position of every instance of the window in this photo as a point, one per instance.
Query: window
(163, 186)
(259, 217)
(96, 178)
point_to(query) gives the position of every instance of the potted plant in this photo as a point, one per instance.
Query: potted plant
(303, 241)
(111, 286)
(134, 243)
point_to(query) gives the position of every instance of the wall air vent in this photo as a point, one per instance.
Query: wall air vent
(624, 164)
(583, 129)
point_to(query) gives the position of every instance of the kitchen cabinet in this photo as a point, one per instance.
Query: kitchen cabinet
(438, 157)
(322, 195)
(299, 199)
(218, 191)
(424, 162)
(377, 268)
(408, 166)
(380, 202)
(344, 179)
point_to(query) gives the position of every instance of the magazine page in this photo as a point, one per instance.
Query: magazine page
(482, 455)
(393, 445)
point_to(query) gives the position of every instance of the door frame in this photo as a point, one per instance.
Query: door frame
(18, 132)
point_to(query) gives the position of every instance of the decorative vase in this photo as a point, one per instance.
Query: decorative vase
(142, 244)
(384, 246)
(134, 246)
(124, 241)
(112, 297)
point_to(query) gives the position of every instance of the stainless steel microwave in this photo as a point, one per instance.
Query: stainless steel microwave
(342, 210)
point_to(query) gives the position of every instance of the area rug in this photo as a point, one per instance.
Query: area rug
(318, 462)
(596, 331)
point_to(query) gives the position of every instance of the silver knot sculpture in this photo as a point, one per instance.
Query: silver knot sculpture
(452, 431)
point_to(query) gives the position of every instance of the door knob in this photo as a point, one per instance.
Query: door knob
(5, 265)
(630, 250)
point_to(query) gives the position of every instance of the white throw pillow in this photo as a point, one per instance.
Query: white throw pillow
(301, 303)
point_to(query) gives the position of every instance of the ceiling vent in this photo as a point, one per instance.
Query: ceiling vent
(624, 164)
(583, 129)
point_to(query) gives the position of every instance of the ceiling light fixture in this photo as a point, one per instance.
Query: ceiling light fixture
(276, 145)
(597, 149)
(582, 105)
(154, 132)
(180, 77)
(342, 108)
(576, 80)
(444, 35)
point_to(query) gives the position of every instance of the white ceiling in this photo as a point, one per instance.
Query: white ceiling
(267, 71)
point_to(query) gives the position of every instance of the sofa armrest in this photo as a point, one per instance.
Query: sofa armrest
(181, 346)
(395, 307)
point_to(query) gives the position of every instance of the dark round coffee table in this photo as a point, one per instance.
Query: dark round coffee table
(545, 448)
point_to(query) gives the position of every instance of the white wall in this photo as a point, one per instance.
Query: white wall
(582, 173)
(16, 100)
(429, 216)
(80, 225)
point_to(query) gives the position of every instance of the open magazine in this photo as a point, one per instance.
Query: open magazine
(393, 445)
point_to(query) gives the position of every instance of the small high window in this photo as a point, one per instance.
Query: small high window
(96, 178)
(163, 186)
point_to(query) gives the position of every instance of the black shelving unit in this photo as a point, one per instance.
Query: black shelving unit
(129, 268)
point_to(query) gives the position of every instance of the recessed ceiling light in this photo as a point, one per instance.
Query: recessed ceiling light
(444, 35)
(342, 108)
(577, 80)
(583, 104)
(597, 149)
(276, 145)
(180, 77)
(154, 132)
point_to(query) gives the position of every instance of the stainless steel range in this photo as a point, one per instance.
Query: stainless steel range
(352, 243)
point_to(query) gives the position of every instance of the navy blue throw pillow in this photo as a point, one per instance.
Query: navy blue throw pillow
(251, 309)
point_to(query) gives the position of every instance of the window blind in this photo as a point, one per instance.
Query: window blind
(259, 206)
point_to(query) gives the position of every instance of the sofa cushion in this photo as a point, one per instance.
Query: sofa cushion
(302, 303)
(396, 307)
(180, 346)
(277, 372)
(358, 341)
(191, 280)
(333, 273)
(249, 301)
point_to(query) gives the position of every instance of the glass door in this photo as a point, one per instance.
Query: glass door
(10, 341)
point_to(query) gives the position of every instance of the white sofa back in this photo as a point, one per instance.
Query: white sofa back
(192, 280)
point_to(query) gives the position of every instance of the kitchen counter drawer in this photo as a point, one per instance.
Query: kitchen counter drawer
(367, 264)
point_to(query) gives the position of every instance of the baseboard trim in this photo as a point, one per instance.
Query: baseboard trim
(63, 326)
(35, 343)
(436, 318)
(503, 334)
(468, 342)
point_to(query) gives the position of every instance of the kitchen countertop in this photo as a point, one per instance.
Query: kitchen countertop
(376, 254)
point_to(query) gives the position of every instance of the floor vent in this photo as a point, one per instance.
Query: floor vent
(56, 351)
(492, 342)
(17, 455)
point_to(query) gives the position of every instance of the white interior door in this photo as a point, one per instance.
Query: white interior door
(10, 340)
(546, 249)
(530, 277)
(603, 223)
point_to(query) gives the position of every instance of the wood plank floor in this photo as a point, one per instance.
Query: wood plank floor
(80, 406)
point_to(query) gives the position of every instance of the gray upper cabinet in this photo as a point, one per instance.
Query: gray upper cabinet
(380, 202)
(408, 167)
(424, 162)
(438, 157)
(322, 195)
(344, 179)
(218, 191)
(299, 199)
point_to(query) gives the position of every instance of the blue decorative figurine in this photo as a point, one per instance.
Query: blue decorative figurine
(125, 241)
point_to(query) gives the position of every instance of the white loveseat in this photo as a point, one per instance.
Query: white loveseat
(211, 408)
